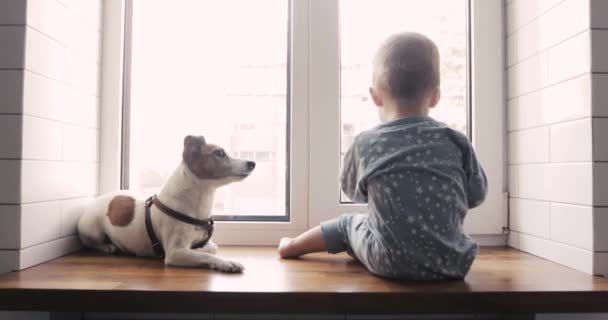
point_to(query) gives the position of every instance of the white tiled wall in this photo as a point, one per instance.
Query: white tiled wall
(556, 130)
(49, 131)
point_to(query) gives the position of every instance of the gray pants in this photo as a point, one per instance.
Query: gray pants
(350, 233)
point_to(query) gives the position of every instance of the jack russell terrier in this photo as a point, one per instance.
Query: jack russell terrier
(175, 224)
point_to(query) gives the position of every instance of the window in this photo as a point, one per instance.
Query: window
(445, 21)
(285, 83)
(201, 72)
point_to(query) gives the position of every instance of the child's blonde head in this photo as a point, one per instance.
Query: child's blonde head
(406, 67)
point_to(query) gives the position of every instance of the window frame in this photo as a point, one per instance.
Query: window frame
(314, 45)
(486, 125)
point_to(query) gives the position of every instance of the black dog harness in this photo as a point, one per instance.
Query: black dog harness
(157, 246)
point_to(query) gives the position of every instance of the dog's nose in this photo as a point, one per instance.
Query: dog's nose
(250, 165)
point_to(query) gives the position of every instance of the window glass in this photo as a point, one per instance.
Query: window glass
(217, 69)
(364, 24)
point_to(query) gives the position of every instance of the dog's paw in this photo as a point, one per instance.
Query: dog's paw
(210, 248)
(107, 248)
(230, 266)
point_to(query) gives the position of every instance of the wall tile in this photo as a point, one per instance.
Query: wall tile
(528, 75)
(40, 222)
(43, 97)
(71, 210)
(598, 13)
(550, 29)
(513, 183)
(82, 73)
(564, 217)
(80, 179)
(529, 146)
(530, 110)
(530, 217)
(44, 55)
(569, 100)
(533, 181)
(599, 50)
(570, 183)
(58, 94)
(47, 251)
(10, 136)
(12, 46)
(571, 141)
(570, 58)
(11, 91)
(54, 180)
(48, 17)
(600, 95)
(41, 181)
(600, 225)
(87, 13)
(10, 230)
(569, 256)
(600, 139)
(522, 12)
(11, 181)
(12, 12)
(41, 139)
(600, 184)
(513, 239)
(84, 41)
(80, 144)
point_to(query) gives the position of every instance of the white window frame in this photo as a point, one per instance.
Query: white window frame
(315, 113)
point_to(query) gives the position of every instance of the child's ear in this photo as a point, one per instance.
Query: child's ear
(375, 96)
(435, 97)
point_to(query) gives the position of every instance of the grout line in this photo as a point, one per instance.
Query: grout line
(550, 163)
(550, 85)
(47, 201)
(557, 202)
(49, 241)
(60, 160)
(550, 124)
(62, 122)
(48, 36)
(551, 46)
(535, 18)
(555, 123)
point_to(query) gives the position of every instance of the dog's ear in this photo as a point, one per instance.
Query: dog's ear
(192, 145)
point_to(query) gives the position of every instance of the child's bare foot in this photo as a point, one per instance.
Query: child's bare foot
(285, 248)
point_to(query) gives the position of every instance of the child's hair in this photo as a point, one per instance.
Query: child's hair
(406, 65)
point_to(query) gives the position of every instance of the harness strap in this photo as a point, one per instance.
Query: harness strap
(156, 244)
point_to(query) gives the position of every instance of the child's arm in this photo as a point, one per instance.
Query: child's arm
(349, 178)
(477, 183)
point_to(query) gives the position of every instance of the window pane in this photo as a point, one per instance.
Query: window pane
(366, 23)
(217, 69)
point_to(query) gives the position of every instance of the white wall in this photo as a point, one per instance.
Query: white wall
(49, 128)
(555, 125)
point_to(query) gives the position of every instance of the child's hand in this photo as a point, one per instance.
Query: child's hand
(285, 247)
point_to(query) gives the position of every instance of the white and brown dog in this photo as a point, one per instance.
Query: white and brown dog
(177, 223)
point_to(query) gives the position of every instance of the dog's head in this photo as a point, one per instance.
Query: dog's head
(211, 162)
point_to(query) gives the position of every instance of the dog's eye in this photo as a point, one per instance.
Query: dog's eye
(220, 154)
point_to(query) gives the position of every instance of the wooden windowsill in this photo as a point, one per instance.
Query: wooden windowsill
(501, 280)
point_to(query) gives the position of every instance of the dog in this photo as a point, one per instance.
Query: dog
(175, 224)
